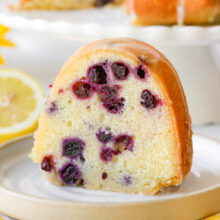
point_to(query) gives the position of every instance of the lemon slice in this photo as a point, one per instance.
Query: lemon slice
(21, 101)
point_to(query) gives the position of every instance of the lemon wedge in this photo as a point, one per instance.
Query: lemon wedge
(21, 101)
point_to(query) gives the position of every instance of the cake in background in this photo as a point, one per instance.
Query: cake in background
(143, 12)
(168, 12)
(65, 4)
(116, 119)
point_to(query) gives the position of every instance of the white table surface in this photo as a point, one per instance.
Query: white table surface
(212, 131)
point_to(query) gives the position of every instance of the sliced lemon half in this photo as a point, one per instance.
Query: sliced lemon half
(21, 101)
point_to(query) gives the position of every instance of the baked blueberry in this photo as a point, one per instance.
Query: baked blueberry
(104, 175)
(52, 107)
(127, 180)
(120, 70)
(70, 174)
(148, 100)
(97, 74)
(115, 105)
(124, 142)
(72, 147)
(47, 163)
(82, 90)
(106, 154)
(108, 92)
(141, 72)
(104, 135)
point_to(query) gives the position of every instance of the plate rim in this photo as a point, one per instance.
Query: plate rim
(98, 204)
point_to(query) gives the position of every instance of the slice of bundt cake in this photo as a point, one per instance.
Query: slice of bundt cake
(65, 4)
(116, 119)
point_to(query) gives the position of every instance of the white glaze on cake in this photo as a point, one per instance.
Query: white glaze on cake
(181, 12)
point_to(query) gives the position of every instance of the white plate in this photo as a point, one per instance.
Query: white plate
(24, 182)
(89, 25)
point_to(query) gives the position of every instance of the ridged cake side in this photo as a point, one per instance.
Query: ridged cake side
(140, 144)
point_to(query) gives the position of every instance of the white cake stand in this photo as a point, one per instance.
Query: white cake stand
(193, 50)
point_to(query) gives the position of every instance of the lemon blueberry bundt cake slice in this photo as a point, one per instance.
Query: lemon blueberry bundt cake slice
(116, 119)
(65, 4)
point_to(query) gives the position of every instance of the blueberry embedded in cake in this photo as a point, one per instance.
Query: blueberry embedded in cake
(104, 135)
(120, 123)
(47, 163)
(72, 147)
(148, 100)
(120, 70)
(70, 174)
(82, 90)
(97, 74)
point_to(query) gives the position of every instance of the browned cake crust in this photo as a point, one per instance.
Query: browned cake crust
(148, 12)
